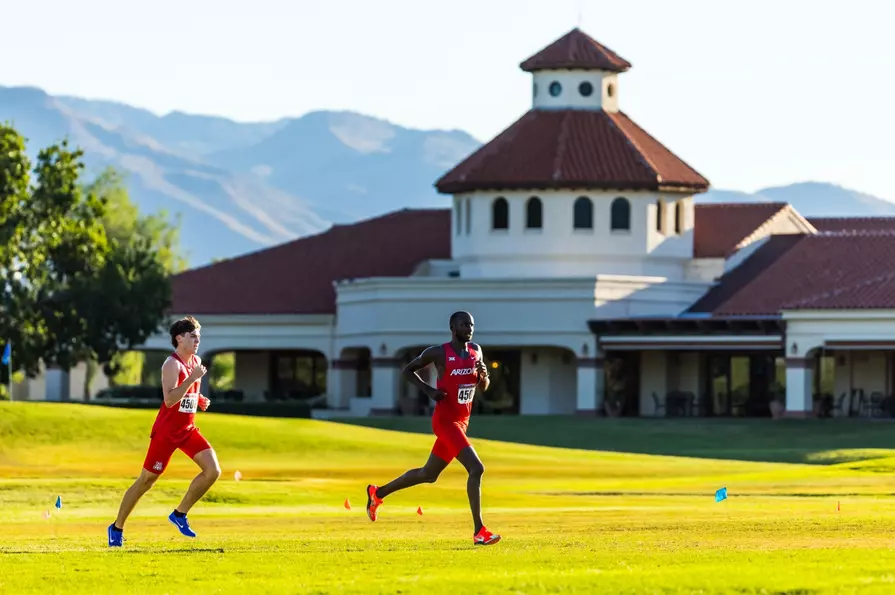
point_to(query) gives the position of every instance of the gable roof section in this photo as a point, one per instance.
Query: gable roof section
(853, 223)
(826, 270)
(576, 50)
(720, 228)
(554, 149)
(296, 277)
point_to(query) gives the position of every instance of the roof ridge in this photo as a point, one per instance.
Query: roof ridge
(853, 217)
(661, 145)
(561, 152)
(779, 204)
(840, 290)
(857, 232)
(637, 148)
(475, 160)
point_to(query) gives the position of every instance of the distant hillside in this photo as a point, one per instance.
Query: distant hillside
(240, 187)
(811, 199)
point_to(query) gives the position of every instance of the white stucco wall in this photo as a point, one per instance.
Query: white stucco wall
(809, 329)
(259, 332)
(513, 312)
(557, 249)
(604, 93)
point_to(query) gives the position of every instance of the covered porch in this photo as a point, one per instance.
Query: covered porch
(742, 367)
(692, 367)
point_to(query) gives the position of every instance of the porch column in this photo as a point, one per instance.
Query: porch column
(590, 386)
(799, 400)
(386, 376)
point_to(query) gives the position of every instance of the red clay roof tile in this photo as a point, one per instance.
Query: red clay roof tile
(853, 223)
(296, 277)
(877, 292)
(825, 270)
(576, 50)
(550, 149)
(720, 227)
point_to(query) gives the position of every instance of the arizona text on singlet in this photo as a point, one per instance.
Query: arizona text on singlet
(459, 381)
(174, 423)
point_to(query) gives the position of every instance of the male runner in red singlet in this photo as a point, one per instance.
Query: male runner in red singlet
(173, 429)
(460, 371)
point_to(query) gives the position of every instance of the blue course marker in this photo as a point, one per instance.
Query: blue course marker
(721, 495)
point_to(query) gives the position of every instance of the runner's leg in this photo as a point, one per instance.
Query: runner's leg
(142, 485)
(470, 459)
(428, 473)
(198, 449)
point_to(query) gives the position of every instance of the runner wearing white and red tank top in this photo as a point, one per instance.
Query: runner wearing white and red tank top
(174, 429)
(461, 372)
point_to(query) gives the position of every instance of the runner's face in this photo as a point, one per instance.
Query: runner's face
(463, 328)
(190, 341)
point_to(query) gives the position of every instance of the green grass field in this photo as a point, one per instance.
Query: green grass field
(584, 506)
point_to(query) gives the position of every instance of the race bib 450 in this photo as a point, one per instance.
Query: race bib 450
(189, 404)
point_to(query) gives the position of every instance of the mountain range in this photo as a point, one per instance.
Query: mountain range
(241, 187)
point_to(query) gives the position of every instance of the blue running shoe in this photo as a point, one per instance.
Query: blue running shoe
(182, 524)
(116, 537)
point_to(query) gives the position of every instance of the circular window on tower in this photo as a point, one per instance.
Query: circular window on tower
(555, 88)
(586, 89)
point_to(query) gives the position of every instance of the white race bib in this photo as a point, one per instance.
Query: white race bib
(465, 393)
(189, 404)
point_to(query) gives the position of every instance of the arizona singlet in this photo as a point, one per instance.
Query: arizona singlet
(459, 381)
(174, 423)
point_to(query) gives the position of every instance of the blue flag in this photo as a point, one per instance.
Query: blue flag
(721, 495)
(7, 353)
(58, 501)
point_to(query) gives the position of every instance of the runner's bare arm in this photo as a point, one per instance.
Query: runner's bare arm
(482, 369)
(430, 355)
(170, 389)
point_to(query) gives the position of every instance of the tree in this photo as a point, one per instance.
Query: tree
(70, 292)
(123, 221)
(127, 227)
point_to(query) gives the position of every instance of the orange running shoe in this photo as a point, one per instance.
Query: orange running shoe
(372, 502)
(485, 537)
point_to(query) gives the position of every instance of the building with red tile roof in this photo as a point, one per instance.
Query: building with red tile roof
(598, 286)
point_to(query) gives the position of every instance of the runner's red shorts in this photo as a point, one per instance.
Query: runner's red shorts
(160, 450)
(450, 438)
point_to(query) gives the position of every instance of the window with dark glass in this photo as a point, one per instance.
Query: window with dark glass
(620, 214)
(583, 214)
(500, 214)
(534, 213)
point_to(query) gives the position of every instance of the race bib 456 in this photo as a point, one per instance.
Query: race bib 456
(465, 393)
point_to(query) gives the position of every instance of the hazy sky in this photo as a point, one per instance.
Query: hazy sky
(751, 94)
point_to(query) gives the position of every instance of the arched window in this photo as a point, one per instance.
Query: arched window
(620, 214)
(660, 216)
(459, 216)
(679, 217)
(534, 213)
(468, 215)
(500, 214)
(583, 216)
